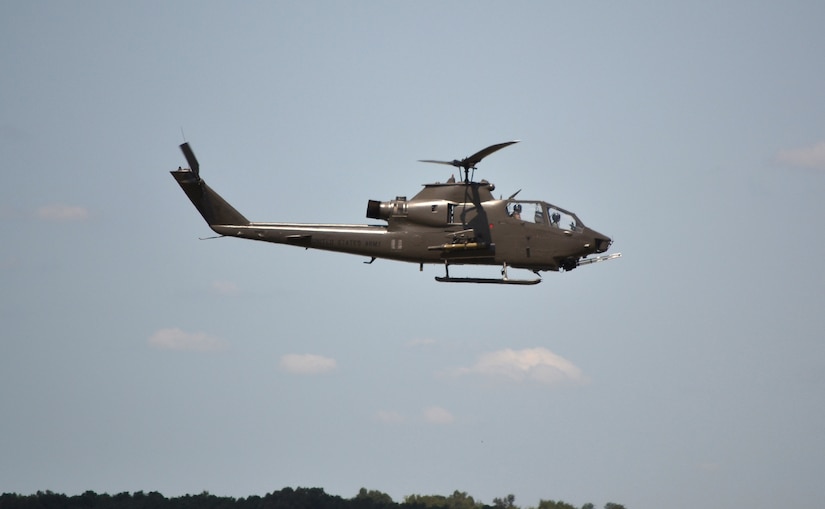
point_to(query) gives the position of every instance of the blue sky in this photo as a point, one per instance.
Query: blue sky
(134, 356)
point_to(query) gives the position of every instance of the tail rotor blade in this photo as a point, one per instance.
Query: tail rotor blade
(190, 158)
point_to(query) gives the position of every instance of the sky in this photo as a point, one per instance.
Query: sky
(135, 356)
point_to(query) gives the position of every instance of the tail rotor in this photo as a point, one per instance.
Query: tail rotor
(190, 158)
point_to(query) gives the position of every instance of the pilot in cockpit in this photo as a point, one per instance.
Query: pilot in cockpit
(516, 211)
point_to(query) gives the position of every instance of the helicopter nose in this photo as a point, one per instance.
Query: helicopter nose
(602, 243)
(597, 242)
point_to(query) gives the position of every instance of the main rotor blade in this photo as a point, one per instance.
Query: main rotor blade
(190, 158)
(473, 160)
(450, 163)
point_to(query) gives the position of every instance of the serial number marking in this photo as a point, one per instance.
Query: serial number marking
(344, 243)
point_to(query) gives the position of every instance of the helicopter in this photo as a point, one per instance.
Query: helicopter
(450, 223)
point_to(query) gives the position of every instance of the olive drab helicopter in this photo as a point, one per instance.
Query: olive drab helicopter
(451, 223)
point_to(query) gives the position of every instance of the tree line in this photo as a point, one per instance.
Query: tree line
(287, 498)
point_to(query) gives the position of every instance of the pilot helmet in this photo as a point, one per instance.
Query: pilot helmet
(517, 208)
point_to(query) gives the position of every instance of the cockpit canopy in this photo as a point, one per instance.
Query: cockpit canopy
(543, 213)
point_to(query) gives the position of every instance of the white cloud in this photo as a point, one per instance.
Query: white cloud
(177, 339)
(62, 213)
(7, 212)
(420, 342)
(226, 288)
(430, 415)
(307, 364)
(438, 415)
(9, 262)
(389, 416)
(537, 364)
(806, 157)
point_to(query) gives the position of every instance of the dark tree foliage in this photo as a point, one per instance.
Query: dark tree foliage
(287, 498)
(508, 502)
(458, 500)
(556, 504)
(372, 499)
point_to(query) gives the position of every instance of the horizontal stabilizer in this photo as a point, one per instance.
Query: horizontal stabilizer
(299, 240)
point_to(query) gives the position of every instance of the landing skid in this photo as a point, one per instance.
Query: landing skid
(497, 281)
(504, 280)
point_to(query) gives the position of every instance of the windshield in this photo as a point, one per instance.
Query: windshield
(543, 213)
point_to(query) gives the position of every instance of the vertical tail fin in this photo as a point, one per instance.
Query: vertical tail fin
(215, 210)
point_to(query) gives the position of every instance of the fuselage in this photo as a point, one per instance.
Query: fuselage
(450, 223)
(453, 223)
